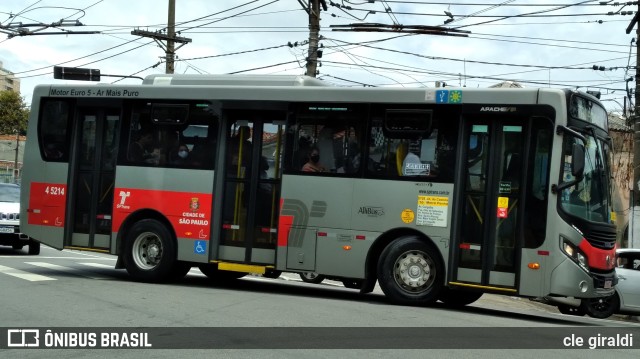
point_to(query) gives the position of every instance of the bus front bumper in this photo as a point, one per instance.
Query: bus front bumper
(570, 280)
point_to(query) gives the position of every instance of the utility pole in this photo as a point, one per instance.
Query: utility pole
(15, 163)
(634, 220)
(314, 33)
(171, 32)
(170, 38)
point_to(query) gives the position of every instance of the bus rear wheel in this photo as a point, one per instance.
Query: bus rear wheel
(150, 252)
(410, 272)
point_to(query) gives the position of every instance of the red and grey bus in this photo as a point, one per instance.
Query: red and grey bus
(434, 194)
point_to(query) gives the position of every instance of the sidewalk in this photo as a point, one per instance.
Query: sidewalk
(507, 302)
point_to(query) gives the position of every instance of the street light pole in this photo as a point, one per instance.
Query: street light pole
(634, 217)
(15, 163)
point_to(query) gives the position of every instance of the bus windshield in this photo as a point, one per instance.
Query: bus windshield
(589, 199)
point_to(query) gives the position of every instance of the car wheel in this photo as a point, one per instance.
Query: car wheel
(312, 277)
(569, 310)
(601, 307)
(410, 272)
(150, 252)
(457, 297)
(34, 248)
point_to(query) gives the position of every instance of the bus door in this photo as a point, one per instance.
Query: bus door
(92, 178)
(251, 196)
(489, 225)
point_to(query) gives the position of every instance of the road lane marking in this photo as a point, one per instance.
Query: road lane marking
(98, 265)
(58, 257)
(67, 269)
(23, 275)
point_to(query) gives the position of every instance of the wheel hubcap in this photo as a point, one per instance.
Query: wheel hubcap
(147, 250)
(414, 271)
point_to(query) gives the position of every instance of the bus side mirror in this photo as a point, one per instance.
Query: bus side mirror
(577, 161)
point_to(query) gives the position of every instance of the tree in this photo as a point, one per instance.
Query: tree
(14, 113)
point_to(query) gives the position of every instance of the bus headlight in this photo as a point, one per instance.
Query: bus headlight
(582, 260)
(576, 254)
(568, 249)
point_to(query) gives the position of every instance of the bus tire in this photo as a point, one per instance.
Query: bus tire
(601, 308)
(456, 298)
(312, 277)
(212, 272)
(410, 272)
(150, 252)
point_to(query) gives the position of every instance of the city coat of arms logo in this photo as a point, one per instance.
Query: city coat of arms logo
(194, 205)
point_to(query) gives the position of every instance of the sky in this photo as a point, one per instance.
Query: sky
(539, 43)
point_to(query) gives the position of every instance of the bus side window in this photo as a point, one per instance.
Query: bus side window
(54, 131)
(405, 146)
(338, 148)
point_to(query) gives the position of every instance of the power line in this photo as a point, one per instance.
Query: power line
(536, 82)
(460, 4)
(470, 61)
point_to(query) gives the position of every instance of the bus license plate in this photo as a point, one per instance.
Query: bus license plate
(6, 230)
(607, 283)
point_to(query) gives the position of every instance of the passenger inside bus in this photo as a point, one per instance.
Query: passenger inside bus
(142, 151)
(325, 146)
(301, 155)
(183, 157)
(314, 165)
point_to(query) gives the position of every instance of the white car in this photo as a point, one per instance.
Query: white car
(625, 300)
(10, 220)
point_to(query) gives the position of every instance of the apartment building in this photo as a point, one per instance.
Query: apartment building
(8, 81)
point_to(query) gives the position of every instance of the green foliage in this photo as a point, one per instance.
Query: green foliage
(14, 113)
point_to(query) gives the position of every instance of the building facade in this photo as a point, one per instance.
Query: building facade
(8, 80)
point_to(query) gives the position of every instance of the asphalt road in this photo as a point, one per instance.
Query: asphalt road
(80, 289)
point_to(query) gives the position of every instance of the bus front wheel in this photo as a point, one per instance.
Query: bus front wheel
(410, 272)
(150, 252)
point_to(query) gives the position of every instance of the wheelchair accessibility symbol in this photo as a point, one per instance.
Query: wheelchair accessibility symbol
(200, 247)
